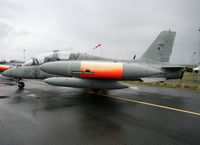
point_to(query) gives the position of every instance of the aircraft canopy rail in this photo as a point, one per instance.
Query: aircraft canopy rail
(51, 56)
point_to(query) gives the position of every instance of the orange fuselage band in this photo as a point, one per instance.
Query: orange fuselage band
(102, 69)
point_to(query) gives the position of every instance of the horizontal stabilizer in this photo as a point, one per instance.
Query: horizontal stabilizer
(149, 80)
(174, 68)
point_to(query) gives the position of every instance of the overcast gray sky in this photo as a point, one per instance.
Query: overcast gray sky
(123, 27)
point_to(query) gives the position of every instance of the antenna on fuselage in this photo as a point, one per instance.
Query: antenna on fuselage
(134, 57)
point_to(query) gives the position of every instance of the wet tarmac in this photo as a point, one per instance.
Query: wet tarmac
(41, 114)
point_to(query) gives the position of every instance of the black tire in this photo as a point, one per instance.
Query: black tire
(21, 85)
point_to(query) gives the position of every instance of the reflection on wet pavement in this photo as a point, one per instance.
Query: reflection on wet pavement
(42, 114)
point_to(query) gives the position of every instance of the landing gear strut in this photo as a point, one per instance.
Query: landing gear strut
(20, 85)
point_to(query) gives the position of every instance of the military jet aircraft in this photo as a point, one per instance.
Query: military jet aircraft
(6, 64)
(196, 69)
(31, 68)
(87, 71)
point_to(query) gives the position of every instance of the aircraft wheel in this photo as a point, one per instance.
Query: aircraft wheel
(21, 85)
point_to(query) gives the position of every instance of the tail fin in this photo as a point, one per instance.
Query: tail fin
(161, 49)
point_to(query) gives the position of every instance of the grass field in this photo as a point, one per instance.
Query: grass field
(189, 82)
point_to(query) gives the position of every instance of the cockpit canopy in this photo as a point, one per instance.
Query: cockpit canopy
(51, 56)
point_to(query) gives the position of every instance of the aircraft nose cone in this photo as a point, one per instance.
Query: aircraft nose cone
(7, 73)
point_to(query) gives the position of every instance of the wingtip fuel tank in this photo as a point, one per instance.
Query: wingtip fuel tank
(85, 83)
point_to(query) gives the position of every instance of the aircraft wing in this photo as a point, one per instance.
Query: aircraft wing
(149, 80)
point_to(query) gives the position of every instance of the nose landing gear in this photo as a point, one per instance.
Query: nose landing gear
(20, 85)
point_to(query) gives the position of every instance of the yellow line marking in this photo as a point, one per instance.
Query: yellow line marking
(154, 105)
(135, 101)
